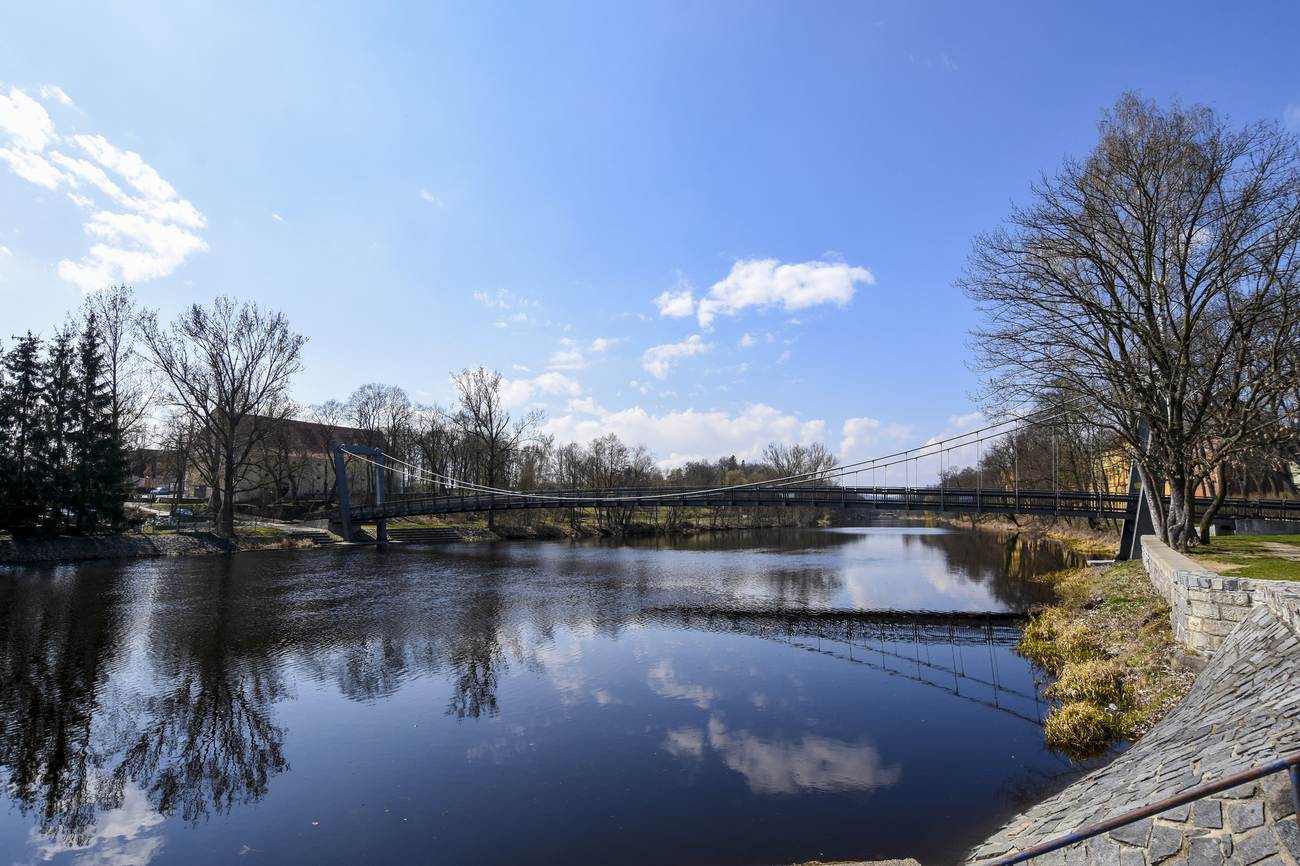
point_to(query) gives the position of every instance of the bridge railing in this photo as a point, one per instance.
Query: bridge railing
(881, 498)
(1063, 503)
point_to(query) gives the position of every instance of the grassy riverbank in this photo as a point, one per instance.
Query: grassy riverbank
(1260, 557)
(1109, 646)
(588, 523)
(81, 548)
(1078, 535)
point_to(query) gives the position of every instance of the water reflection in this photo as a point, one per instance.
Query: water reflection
(125, 835)
(138, 701)
(87, 738)
(775, 767)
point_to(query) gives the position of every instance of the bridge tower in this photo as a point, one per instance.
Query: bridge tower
(1137, 516)
(346, 529)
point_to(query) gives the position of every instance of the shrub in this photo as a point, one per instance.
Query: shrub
(1053, 642)
(1099, 681)
(1080, 728)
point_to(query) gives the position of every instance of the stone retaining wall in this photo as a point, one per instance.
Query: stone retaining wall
(1205, 606)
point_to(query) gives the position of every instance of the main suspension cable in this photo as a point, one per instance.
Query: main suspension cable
(883, 462)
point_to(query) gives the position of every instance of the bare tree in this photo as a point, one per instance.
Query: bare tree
(132, 383)
(384, 412)
(1152, 287)
(483, 417)
(331, 415)
(229, 367)
(179, 445)
(797, 459)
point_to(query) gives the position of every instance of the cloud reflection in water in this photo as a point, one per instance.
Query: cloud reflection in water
(811, 763)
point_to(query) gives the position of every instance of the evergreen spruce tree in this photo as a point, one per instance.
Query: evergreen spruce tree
(58, 424)
(6, 446)
(100, 476)
(20, 410)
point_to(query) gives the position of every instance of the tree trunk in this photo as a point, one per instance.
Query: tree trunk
(1182, 511)
(1220, 494)
(1155, 501)
(226, 528)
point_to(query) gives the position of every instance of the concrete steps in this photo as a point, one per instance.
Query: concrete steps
(319, 537)
(423, 535)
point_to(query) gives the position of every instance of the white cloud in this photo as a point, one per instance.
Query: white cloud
(277, 217)
(658, 360)
(518, 393)
(676, 305)
(503, 299)
(172, 209)
(567, 359)
(746, 340)
(133, 249)
(24, 121)
(967, 452)
(585, 405)
(688, 434)
(32, 167)
(865, 438)
(128, 164)
(54, 92)
(784, 356)
(431, 198)
(868, 438)
(5, 251)
(765, 283)
(574, 355)
(151, 240)
(969, 421)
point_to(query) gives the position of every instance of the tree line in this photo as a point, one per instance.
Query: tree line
(484, 442)
(211, 390)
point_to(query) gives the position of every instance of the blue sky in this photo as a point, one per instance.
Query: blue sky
(424, 187)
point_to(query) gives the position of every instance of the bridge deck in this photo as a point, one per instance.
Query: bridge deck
(963, 501)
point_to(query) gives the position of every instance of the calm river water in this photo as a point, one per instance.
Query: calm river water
(733, 699)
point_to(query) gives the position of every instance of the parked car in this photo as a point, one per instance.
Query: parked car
(158, 492)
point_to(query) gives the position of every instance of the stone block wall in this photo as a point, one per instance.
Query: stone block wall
(1205, 606)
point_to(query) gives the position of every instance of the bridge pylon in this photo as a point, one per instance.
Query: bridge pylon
(1137, 519)
(346, 529)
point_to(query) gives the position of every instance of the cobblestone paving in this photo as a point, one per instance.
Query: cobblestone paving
(1243, 710)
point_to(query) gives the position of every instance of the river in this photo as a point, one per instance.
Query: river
(739, 698)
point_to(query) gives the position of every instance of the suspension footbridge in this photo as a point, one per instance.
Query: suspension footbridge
(401, 489)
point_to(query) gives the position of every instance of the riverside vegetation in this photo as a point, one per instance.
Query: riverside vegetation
(1108, 644)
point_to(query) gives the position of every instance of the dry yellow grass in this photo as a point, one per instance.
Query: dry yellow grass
(1109, 645)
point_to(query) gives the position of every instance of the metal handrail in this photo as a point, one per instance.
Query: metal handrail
(1023, 501)
(1290, 763)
